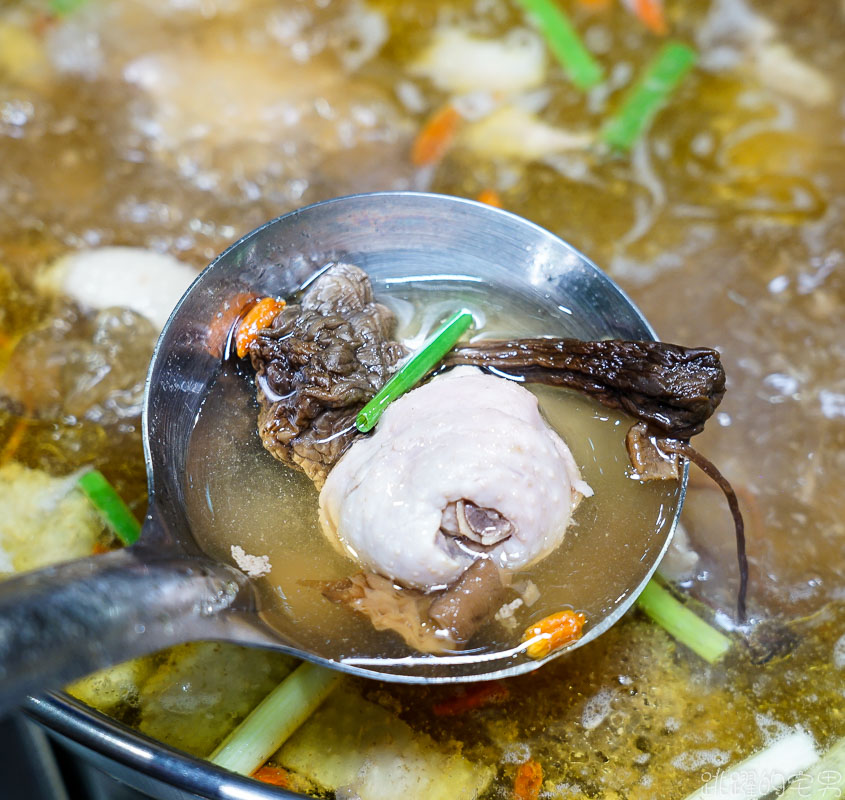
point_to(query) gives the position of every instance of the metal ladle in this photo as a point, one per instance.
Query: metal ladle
(66, 621)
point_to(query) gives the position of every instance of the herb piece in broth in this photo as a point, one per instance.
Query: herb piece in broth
(681, 623)
(553, 632)
(110, 504)
(275, 718)
(415, 369)
(259, 316)
(563, 40)
(651, 14)
(62, 8)
(709, 468)
(468, 698)
(528, 781)
(436, 137)
(648, 95)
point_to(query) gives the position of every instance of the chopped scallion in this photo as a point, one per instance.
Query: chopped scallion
(648, 94)
(563, 40)
(414, 369)
(275, 718)
(62, 8)
(681, 623)
(111, 506)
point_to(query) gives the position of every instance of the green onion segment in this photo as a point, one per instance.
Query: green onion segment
(111, 506)
(681, 623)
(275, 718)
(563, 40)
(413, 371)
(648, 95)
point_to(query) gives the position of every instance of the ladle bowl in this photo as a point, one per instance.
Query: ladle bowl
(68, 620)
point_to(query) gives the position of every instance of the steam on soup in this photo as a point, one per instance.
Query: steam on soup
(174, 127)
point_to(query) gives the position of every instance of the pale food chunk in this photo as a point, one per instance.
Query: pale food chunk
(464, 440)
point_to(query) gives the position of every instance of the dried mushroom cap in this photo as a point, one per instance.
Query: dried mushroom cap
(673, 389)
(471, 601)
(649, 462)
(317, 365)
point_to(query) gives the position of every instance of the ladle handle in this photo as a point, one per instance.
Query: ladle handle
(69, 620)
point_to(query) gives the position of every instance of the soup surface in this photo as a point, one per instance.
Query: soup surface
(178, 126)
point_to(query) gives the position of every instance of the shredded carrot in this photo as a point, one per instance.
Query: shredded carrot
(491, 197)
(651, 14)
(275, 776)
(436, 137)
(99, 548)
(553, 632)
(13, 443)
(258, 317)
(528, 781)
(478, 695)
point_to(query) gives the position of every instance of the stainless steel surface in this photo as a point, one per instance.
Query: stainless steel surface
(102, 748)
(65, 621)
(172, 593)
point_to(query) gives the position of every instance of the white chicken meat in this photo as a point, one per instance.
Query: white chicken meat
(460, 468)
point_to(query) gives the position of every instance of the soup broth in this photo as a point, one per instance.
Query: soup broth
(238, 494)
(178, 126)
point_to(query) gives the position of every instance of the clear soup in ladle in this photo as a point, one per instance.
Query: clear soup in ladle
(241, 496)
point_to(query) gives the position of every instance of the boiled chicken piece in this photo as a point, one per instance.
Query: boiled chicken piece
(459, 469)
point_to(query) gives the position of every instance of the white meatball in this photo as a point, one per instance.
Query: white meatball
(465, 436)
(149, 283)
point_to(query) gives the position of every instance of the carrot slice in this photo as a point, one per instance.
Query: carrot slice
(528, 781)
(258, 317)
(481, 695)
(275, 776)
(436, 137)
(553, 632)
(491, 197)
(651, 14)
